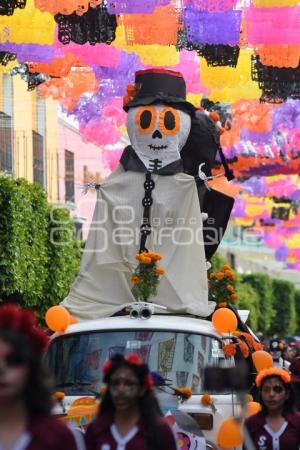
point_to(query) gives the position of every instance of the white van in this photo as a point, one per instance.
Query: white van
(177, 347)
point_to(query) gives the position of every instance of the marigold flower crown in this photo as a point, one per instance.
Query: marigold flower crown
(272, 372)
(132, 359)
(24, 322)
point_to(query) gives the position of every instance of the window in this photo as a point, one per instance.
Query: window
(5, 143)
(179, 357)
(6, 126)
(69, 176)
(38, 158)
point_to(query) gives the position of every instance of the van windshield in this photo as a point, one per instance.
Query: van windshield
(75, 360)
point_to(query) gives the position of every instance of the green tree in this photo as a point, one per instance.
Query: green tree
(248, 298)
(297, 306)
(64, 257)
(39, 256)
(23, 240)
(284, 321)
(262, 284)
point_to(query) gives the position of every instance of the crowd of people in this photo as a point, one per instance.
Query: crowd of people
(129, 416)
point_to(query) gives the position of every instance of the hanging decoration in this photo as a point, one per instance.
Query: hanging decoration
(94, 25)
(235, 54)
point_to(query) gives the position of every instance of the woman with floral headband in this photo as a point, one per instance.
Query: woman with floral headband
(25, 398)
(130, 417)
(277, 425)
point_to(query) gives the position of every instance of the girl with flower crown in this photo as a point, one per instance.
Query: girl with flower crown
(277, 425)
(129, 417)
(25, 398)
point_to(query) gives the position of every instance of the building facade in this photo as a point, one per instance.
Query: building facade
(78, 163)
(28, 135)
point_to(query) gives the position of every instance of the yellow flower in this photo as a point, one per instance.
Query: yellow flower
(135, 279)
(160, 271)
(249, 398)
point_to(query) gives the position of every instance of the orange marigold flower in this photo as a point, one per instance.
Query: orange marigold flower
(206, 400)
(228, 273)
(229, 287)
(212, 276)
(234, 296)
(225, 267)
(145, 259)
(220, 275)
(160, 271)
(222, 305)
(229, 350)
(155, 256)
(58, 396)
(184, 392)
(135, 279)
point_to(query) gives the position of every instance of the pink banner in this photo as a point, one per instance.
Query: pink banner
(97, 55)
(273, 25)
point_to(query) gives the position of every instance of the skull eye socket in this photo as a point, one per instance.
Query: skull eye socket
(169, 121)
(145, 119)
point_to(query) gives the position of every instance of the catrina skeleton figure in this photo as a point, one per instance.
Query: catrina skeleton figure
(152, 201)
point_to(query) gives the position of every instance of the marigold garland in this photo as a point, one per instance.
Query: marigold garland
(229, 350)
(146, 275)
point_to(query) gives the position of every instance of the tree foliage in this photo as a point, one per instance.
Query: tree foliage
(297, 307)
(284, 321)
(248, 298)
(34, 271)
(262, 284)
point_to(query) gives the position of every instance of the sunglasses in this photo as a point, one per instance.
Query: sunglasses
(277, 389)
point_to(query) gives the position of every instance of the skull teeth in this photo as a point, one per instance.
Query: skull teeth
(158, 147)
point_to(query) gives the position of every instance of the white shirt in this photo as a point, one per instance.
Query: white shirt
(122, 440)
(21, 443)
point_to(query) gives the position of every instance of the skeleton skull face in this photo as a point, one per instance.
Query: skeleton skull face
(158, 132)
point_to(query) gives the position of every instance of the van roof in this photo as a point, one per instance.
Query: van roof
(156, 322)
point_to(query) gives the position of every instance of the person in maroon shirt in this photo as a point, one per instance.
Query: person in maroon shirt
(277, 425)
(130, 416)
(25, 397)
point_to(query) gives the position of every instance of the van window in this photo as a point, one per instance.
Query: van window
(76, 360)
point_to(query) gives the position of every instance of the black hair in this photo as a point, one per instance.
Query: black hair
(37, 393)
(148, 404)
(289, 405)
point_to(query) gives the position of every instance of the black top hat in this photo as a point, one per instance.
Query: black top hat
(158, 86)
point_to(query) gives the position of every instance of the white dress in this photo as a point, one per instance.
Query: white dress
(103, 285)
